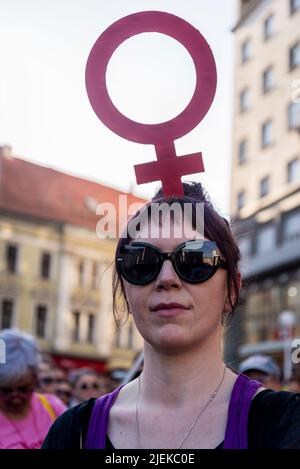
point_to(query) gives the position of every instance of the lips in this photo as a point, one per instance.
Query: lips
(167, 306)
(168, 310)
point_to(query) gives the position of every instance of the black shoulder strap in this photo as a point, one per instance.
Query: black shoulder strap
(85, 419)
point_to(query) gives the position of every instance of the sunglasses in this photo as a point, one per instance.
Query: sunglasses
(4, 391)
(85, 386)
(47, 380)
(193, 261)
(61, 392)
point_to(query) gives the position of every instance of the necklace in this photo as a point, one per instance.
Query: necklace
(211, 398)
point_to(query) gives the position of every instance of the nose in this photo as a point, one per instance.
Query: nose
(167, 277)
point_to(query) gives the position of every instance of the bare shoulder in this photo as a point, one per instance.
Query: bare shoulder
(125, 402)
(121, 424)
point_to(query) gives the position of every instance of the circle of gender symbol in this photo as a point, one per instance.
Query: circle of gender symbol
(161, 135)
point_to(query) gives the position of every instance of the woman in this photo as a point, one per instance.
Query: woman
(180, 291)
(85, 385)
(25, 416)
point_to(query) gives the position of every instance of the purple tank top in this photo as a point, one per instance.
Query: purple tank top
(236, 434)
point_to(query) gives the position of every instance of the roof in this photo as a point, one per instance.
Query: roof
(33, 190)
(246, 9)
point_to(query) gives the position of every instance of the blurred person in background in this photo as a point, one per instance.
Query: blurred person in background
(263, 369)
(63, 390)
(46, 381)
(107, 384)
(25, 416)
(85, 383)
(49, 377)
(59, 375)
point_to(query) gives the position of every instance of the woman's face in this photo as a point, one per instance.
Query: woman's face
(86, 387)
(177, 329)
(15, 396)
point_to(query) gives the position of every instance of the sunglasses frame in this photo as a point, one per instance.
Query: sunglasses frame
(88, 387)
(162, 256)
(24, 390)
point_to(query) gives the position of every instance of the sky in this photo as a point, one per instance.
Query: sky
(45, 114)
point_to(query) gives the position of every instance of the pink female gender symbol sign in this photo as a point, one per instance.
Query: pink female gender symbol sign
(168, 168)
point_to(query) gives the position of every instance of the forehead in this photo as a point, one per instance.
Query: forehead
(166, 244)
(88, 377)
(165, 232)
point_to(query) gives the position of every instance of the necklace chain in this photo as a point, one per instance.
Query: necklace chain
(211, 398)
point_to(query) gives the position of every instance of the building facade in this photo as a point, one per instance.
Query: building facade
(55, 269)
(265, 183)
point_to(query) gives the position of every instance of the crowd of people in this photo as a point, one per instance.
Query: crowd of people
(34, 391)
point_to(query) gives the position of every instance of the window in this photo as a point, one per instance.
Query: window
(41, 320)
(268, 27)
(242, 152)
(91, 328)
(293, 171)
(266, 239)
(294, 6)
(294, 116)
(130, 336)
(291, 227)
(244, 100)
(246, 50)
(118, 341)
(268, 80)
(245, 246)
(94, 274)
(241, 200)
(11, 258)
(76, 326)
(7, 314)
(294, 56)
(266, 134)
(264, 186)
(45, 265)
(80, 273)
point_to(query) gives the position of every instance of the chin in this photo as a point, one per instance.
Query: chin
(170, 339)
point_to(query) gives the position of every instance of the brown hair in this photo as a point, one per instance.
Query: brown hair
(216, 228)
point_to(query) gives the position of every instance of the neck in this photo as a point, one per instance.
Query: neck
(172, 379)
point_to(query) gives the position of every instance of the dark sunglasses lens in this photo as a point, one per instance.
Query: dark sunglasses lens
(60, 392)
(195, 261)
(86, 386)
(140, 264)
(19, 390)
(5, 391)
(47, 380)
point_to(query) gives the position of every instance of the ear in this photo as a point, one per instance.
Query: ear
(227, 305)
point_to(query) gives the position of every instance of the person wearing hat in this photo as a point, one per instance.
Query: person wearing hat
(263, 369)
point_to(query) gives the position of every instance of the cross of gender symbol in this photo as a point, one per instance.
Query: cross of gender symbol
(168, 168)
